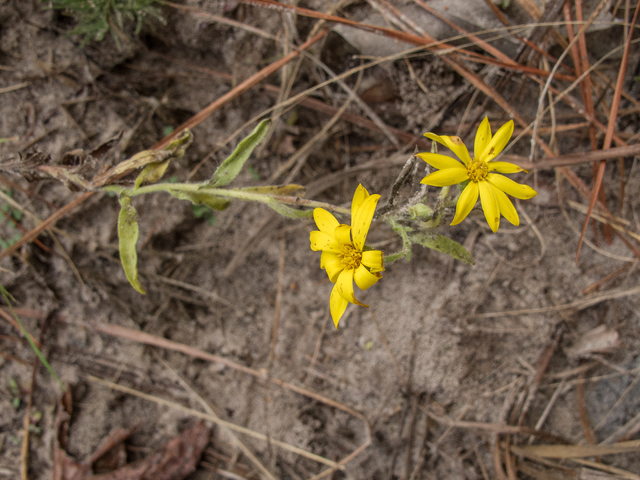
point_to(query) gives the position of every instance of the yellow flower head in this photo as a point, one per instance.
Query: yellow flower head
(482, 172)
(343, 254)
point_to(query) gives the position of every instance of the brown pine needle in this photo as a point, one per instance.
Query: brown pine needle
(610, 129)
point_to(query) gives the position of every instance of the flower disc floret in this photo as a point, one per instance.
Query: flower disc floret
(477, 170)
(350, 257)
(482, 172)
(343, 255)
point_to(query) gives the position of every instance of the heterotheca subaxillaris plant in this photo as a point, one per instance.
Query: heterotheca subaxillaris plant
(341, 233)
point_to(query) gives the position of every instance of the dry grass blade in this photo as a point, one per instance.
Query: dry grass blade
(395, 34)
(572, 159)
(576, 451)
(577, 304)
(547, 84)
(496, 428)
(299, 157)
(207, 408)
(610, 128)
(224, 20)
(9, 318)
(478, 41)
(582, 411)
(587, 99)
(615, 222)
(214, 419)
(618, 472)
(626, 431)
(187, 286)
(618, 402)
(11, 88)
(47, 223)
(321, 107)
(239, 90)
(149, 339)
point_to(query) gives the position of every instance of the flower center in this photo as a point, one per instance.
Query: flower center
(477, 170)
(350, 257)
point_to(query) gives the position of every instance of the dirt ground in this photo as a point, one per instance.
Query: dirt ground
(445, 376)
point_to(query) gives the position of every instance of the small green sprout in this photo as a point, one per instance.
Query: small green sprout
(254, 174)
(97, 17)
(15, 393)
(204, 212)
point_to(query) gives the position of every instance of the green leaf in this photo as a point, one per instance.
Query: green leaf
(207, 199)
(291, 190)
(288, 212)
(152, 172)
(155, 170)
(128, 237)
(202, 211)
(442, 244)
(230, 168)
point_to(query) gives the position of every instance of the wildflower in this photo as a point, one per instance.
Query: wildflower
(482, 173)
(344, 255)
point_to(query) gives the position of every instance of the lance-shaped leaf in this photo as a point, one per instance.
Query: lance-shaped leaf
(230, 168)
(211, 201)
(291, 190)
(442, 244)
(155, 170)
(127, 238)
(287, 211)
(152, 172)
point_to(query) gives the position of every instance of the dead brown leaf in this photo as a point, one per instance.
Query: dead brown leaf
(172, 461)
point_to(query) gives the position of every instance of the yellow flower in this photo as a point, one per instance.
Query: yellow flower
(343, 254)
(482, 172)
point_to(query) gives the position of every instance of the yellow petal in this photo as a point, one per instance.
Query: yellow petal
(332, 264)
(337, 305)
(342, 234)
(446, 177)
(507, 209)
(361, 221)
(333, 269)
(466, 202)
(454, 144)
(489, 205)
(324, 242)
(326, 222)
(483, 137)
(515, 189)
(328, 257)
(373, 259)
(364, 279)
(359, 196)
(498, 142)
(505, 167)
(344, 284)
(439, 161)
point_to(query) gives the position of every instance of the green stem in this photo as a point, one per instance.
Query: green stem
(406, 243)
(444, 193)
(394, 257)
(231, 193)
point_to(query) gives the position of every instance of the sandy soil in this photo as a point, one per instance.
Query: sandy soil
(435, 348)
